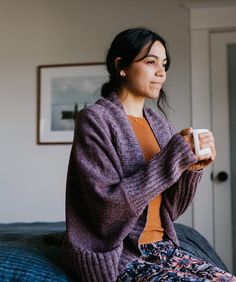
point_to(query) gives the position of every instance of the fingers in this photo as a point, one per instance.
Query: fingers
(213, 155)
(186, 131)
(207, 140)
(201, 164)
(203, 157)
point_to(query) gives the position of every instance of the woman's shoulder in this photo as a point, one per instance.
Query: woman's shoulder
(91, 111)
(104, 109)
(101, 114)
(94, 110)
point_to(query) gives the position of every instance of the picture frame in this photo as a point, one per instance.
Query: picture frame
(63, 90)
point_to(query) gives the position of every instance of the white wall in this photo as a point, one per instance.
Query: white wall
(32, 33)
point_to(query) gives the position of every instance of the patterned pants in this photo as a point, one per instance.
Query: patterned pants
(162, 261)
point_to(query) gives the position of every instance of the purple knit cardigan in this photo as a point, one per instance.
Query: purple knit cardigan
(109, 186)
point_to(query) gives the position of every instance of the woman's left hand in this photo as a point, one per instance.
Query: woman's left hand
(206, 140)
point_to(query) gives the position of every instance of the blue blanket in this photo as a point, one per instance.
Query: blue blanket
(31, 251)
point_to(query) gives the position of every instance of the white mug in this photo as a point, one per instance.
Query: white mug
(198, 151)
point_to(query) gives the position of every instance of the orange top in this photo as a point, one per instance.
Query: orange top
(153, 230)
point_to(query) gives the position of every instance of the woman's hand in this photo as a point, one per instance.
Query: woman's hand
(205, 140)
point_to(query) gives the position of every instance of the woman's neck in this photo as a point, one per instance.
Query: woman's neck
(132, 104)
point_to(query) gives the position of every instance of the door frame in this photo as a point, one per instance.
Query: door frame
(205, 17)
(221, 127)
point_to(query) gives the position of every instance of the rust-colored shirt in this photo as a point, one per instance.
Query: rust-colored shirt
(153, 230)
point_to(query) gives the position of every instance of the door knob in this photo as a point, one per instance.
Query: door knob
(222, 176)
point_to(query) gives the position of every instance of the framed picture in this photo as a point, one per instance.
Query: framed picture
(63, 90)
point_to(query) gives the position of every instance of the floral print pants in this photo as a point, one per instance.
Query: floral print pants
(162, 261)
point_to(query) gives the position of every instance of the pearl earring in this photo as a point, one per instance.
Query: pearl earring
(122, 73)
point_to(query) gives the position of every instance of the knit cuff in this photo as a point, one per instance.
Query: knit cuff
(100, 267)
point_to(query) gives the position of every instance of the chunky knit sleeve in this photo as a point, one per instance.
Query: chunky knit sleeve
(180, 195)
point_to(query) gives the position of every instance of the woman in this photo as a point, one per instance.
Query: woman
(131, 175)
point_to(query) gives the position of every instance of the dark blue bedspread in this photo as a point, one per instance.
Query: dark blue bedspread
(31, 251)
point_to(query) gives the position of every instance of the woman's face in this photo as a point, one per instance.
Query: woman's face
(146, 77)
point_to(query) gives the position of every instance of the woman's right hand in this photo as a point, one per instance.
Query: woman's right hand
(206, 140)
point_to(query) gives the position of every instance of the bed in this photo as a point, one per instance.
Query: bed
(31, 251)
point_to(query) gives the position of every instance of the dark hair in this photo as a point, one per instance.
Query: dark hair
(127, 45)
